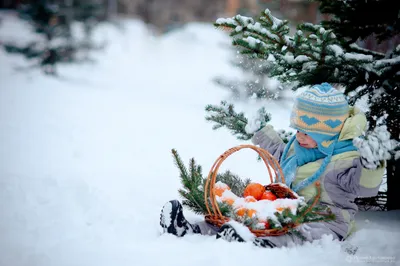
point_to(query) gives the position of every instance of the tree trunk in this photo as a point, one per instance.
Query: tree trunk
(393, 185)
(232, 7)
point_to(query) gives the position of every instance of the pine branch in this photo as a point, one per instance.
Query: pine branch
(298, 234)
(225, 116)
(191, 203)
(180, 165)
(236, 184)
(249, 89)
(285, 135)
(355, 48)
(312, 55)
(192, 191)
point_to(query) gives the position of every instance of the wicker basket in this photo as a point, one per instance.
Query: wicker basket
(276, 186)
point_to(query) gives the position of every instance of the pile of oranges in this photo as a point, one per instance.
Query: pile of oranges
(253, 192)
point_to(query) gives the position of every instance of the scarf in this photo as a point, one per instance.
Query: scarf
(303, 156)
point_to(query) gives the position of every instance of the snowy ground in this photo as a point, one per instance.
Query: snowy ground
(85, 162)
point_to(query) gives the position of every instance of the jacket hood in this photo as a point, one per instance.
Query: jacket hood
(354, 126)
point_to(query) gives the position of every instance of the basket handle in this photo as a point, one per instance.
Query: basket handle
(269, 160)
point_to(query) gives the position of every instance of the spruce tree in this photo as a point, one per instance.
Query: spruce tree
(55, 42)
(315, 53)
(354, 21)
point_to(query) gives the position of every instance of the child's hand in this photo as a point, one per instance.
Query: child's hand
(374, 147)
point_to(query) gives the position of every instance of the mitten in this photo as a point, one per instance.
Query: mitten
(266, 136)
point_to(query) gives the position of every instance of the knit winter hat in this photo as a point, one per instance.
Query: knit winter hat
(320, 112)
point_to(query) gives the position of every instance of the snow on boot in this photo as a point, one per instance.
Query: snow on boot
(265, 243)
(228, 233)
(173, 221)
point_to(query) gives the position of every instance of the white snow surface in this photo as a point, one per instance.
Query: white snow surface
(86, 162)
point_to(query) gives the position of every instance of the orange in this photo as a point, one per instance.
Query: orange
(268, 195)
(251, 212)
(229, 201)
(254, 189)
(250, 199)
(219, 190)
(244, 211)
(241, 212)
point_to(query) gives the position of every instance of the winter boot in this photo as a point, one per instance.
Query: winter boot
(265, 243)
(173, 221)
(228, 233)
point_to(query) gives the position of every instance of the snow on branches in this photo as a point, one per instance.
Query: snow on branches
(225, 115)
(311, 55)
(375, 147)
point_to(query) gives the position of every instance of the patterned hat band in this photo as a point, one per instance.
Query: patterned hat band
(326, 125)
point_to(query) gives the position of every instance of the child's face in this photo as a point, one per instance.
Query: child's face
(305, 140)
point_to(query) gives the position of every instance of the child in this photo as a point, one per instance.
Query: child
(323, 150)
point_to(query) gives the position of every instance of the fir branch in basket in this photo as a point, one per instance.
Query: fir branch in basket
(236, 184)
(193, 184)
